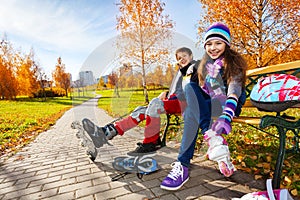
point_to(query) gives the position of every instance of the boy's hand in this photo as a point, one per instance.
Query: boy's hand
(163, 95)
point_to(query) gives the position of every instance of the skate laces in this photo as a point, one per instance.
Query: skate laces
(129, 163)
(176, 171)
(145, 164)
(110, 131)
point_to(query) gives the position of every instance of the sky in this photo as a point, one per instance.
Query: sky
(79, 30)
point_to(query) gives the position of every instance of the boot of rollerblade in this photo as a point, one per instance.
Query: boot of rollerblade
(99, 135)
(85, 140)
(218, 151)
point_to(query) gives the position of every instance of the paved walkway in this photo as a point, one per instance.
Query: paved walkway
(55, 166)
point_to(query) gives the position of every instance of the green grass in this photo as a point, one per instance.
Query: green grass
(128, 100)
(251, 150)
(21, 120)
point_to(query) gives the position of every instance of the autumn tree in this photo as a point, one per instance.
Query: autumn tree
(263, 30)
(113, 79)
(61, 78)
(101, 84)
(8, 83)
(170, 73)
(145, 31)
(27, 75)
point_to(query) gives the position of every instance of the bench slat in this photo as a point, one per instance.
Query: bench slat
(274, 68)
(247, 120)
(248, 104)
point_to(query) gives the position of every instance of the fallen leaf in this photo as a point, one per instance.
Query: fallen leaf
(266, 165)
(254, 157)
(256, 177)
(294, 192)
(287, 180)
(243, 164)
(20, 157)
(259, 165)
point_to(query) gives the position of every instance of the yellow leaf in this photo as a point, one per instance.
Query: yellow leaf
(287, 180)
(253, 157)
(247, 169)
(287, 163)
(296, 177)
(239, 158)
(294, 192)
(243, 164)
(259, 165)
(256, 177)
(20, 157)
(266, 165)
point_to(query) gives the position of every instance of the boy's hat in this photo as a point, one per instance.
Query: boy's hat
(217, 31)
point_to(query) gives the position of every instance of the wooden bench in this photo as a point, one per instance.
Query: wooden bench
(282, 122)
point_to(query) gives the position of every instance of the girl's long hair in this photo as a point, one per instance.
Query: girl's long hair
(235, 66)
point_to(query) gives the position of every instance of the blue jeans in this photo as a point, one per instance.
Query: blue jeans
(196, 115)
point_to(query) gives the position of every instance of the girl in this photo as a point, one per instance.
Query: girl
(220, 92)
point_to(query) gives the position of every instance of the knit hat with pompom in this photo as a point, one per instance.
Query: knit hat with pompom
(217, 31)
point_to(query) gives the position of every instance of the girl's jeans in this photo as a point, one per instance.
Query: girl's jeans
(196, 115)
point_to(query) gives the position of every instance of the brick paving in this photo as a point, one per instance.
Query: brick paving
(55, 166)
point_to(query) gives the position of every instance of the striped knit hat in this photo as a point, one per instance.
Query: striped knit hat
(217, 31)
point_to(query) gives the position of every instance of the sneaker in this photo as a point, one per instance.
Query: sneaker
(177, 177)
(135, 164)
(99, 135)
(143, 148)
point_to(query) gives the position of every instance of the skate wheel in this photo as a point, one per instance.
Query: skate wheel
(92, 155)
(77, 135)
(92, 158)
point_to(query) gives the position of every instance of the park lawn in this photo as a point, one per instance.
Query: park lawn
(251, 150)
(23, 119)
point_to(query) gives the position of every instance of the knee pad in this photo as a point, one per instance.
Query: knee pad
(155, 108)
(140, 110)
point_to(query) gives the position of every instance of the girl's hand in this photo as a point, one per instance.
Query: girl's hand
(222, 125)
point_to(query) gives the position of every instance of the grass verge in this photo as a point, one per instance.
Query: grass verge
(23, 119)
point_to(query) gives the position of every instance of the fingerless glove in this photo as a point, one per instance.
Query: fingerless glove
(223, 123)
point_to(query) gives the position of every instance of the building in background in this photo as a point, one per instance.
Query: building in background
(86, 78)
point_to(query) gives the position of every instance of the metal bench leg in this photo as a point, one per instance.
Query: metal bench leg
(280, 157)
(282, 126)
(168, 124)
(163, 141)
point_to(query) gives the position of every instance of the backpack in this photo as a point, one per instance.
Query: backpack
(276, 93)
